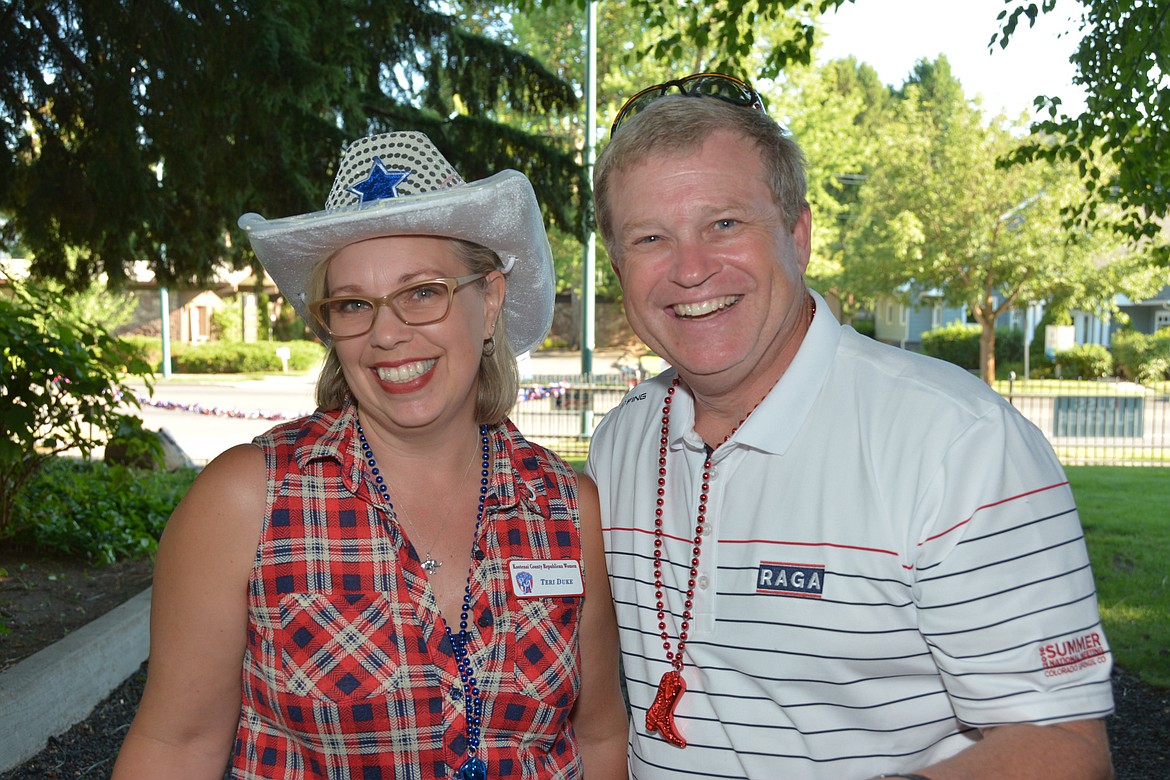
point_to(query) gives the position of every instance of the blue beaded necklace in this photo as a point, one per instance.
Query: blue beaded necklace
(474, 768)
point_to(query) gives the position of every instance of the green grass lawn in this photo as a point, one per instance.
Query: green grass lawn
(1071, 387)
(1126, 515)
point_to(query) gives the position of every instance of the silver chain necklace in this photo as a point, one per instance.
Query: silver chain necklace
(430, 564)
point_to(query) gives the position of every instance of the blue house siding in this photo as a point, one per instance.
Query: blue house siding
(1145, 316)
(895, 323)
(921, 320)
(1149, 315)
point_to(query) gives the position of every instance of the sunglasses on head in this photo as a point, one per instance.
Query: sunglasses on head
(716, 85)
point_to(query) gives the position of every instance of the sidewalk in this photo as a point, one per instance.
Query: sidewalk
(558, 361)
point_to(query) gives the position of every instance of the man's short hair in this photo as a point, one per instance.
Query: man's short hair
(679, 124)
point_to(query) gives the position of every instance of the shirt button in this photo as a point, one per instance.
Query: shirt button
(706, 529)
(703, 582)
(456, 693)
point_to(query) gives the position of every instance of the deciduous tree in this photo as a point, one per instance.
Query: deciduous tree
(937, 213)
(835, 111)
(1119, 142)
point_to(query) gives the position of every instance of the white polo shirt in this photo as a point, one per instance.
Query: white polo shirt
(892, 558)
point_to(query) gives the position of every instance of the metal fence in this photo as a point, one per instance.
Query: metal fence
(1099, 423)
(561, 411)
(1087, 423)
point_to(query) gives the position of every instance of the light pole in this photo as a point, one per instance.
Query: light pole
(164, 302)
(589, 261)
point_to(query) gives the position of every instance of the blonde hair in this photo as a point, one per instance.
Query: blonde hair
(499, 379)
(679, 124)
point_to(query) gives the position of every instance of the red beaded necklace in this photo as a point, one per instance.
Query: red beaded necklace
(660, 716)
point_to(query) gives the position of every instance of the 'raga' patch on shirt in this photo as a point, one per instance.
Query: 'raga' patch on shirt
(791, 579)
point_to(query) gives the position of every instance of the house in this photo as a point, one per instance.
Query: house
(902, 324)
(1149, 315)
(190, 310)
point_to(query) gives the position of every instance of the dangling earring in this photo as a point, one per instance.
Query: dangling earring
(489, 346)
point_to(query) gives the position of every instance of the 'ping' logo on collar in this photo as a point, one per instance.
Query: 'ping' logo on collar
(803, 580)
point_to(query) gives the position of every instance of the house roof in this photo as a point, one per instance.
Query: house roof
(1158, 300)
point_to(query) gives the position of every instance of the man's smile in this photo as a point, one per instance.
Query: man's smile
(699, 309)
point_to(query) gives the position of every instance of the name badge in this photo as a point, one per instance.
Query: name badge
(540, 579)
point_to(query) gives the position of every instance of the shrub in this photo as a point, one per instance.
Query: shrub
(1154, 370)
(146, 348)
(1088, 361)
(1142, 358)
(133, 445)
(227, 322)
(103, 512)
(958, 343)
(230, 357)
(866, 326)
(1009, 345)
(61, 386)
(217, 357)
(288, 325)
(1129, 350)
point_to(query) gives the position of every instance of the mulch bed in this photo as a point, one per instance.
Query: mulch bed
(43, 600)
(1138, 733)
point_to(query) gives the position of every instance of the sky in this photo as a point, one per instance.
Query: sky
(891, 35)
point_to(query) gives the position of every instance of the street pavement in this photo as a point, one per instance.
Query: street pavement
(206, 415)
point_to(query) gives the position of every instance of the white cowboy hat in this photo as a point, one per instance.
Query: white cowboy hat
(399, 184)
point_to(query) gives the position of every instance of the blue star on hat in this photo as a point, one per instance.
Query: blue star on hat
(381, 183)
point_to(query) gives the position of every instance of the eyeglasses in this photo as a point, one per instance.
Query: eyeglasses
(716, 85)
(419, 303)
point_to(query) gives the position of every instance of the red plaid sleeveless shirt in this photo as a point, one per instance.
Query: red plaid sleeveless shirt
(347, 670)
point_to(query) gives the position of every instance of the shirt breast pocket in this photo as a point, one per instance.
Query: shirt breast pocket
(543, 651)
(342, 647)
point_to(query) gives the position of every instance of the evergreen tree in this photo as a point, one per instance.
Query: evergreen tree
(141, 130)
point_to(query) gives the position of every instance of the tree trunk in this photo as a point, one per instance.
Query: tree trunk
(987, 350)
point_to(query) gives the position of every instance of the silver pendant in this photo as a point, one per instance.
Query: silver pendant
(430, 564)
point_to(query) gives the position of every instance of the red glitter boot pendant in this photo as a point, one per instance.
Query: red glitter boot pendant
(660, 716)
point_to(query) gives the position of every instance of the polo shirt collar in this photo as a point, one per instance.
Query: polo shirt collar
(775, 422)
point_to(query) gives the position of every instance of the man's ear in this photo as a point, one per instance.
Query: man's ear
(802, 238)
(616, 271)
